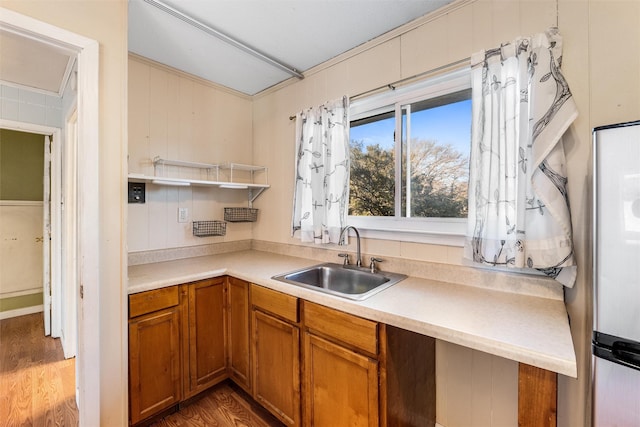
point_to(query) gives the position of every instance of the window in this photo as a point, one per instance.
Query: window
(410, 159)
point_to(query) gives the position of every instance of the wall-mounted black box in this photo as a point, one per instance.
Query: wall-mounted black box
(136, 192)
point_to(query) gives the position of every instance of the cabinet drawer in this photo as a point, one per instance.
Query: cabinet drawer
(349, 329)
(150, 301)
(277, 303)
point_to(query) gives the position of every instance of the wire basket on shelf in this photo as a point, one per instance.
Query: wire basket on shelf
(240, 214)
(209, 228)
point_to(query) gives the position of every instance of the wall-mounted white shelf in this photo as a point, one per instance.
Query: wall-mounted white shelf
(215, 175)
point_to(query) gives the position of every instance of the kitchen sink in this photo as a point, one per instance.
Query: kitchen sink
(346, 281)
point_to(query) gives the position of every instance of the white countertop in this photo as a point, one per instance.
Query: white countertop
(527, 329)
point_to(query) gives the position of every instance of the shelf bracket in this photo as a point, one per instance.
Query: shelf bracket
(253, 197)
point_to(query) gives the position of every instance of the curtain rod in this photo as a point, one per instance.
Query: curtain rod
(393, 85)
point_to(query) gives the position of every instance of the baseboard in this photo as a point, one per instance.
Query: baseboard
(32, 291)
(21, 311)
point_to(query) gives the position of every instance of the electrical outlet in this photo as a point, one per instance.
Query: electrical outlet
(183, 214)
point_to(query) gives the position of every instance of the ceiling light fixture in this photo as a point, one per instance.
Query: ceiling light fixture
(233, 42)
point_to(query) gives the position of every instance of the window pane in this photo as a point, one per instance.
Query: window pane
(372, 181)
(436, 143)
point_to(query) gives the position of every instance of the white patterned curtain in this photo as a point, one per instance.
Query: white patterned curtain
(519, 213)
(321, 193)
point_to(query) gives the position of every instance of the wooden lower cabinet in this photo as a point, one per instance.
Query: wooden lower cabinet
(408, 374)
(341, 386)
(537, 397)
(340, 369)
(238, 332)
(358, 372)
(177, 345)
(154, 362)
(205, 337)
(276, 353)
(306, 363)
(321, 368)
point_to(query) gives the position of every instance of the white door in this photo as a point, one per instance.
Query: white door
(51, 239)
(46, 236)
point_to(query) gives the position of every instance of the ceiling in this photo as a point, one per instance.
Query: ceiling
(34, 63)
(188, 34)
(299, 34)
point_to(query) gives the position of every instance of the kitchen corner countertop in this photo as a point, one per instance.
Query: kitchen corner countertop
(527, 329)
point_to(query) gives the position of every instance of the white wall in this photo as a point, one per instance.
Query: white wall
(178, 117)
(20, 248)
(105, 22)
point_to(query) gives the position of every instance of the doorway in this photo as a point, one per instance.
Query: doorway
(33, 155)
(86, 52)
(23, 257)
(40, 166)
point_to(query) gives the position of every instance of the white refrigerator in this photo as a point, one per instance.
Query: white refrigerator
(616, 276)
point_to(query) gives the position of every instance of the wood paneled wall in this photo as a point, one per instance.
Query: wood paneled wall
(174, 116)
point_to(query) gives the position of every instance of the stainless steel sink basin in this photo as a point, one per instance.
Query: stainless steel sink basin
(348, 282)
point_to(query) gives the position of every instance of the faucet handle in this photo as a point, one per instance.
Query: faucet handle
(372, 266)
(346, 258)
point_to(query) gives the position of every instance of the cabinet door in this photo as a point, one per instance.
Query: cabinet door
(341, 386)
(276, 361)
(207, 337)
(154, 363)
(238, 344)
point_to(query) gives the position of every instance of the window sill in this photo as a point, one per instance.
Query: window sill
(446, 232)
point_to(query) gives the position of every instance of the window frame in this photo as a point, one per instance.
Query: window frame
(443, 231)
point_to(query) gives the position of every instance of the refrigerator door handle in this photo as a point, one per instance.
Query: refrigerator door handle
(627, 352)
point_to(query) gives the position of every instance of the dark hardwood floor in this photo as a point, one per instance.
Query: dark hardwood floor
(37, 387)
(37, 384)
(225, 405)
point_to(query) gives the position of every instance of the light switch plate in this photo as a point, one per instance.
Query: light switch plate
(183, 214)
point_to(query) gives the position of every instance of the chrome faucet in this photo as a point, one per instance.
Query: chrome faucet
(341, 242)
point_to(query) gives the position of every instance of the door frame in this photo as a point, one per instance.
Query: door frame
(48, 240)
(69, 234)
(87, 50)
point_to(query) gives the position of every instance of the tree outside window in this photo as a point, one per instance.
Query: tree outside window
(430, 177)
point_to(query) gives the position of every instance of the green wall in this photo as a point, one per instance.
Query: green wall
(24, 301)
(21, 165)
(21, 173)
